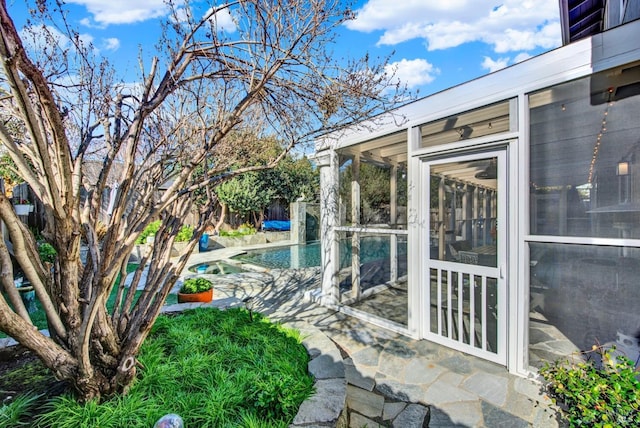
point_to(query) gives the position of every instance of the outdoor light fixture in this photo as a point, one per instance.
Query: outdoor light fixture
(489, 173)
(622, 168)
(248, 304)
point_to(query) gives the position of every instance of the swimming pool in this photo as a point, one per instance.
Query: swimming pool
(308, 255)
(291, 256)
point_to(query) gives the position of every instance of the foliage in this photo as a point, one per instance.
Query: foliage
(294, 179)
(245, 194)
(204, 109)
(596, 395)
(290, 180)
(214, 368)
(195, 285)
(375, 190)
(242, 230)
(47, 252)
(151, 229)
(185, 233)
(17, 412)
(8, 170)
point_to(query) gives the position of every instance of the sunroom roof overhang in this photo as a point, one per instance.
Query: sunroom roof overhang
(389, 149)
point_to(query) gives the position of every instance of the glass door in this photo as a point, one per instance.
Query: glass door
(465, 278)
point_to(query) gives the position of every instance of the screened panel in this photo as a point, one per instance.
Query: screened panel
(489, 120)
(463, 211)
(373, 274)
(382, 191)
(580, 296)
(584, 157)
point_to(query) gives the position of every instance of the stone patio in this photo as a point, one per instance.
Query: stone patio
(393, 380)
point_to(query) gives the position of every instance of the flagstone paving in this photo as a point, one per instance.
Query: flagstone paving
(393, 380)
(389, 380)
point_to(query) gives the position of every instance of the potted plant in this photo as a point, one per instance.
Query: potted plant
(23, 207)
(182, 240)
(196, 290)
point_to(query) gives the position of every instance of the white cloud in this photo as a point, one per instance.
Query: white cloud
(86, 39)
(107, 12)
(414, 72)
(514, 25)
(46, 39)
(43, 39)
(223, 20)
(494, 65)
(521, 57)
(181, 16)
(111, 44)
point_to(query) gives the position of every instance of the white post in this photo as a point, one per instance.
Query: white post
(393, 214)
(356, 291)
(328, 164)
(441, 219)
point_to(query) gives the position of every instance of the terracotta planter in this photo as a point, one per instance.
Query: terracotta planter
(202, 297)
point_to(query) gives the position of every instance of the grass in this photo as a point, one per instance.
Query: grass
(22, 407)
(214, 368)
(39, 318)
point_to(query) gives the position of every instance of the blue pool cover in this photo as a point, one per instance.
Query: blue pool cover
(279, 225)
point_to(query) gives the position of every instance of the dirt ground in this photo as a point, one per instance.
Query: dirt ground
(21, 372)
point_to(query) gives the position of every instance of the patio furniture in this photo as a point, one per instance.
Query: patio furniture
(468, 257)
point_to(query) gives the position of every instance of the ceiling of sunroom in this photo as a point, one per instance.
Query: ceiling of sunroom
(387, 150)
(478, 173)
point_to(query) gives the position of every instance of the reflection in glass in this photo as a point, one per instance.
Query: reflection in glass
(584, 170)
(581, 295)
(463, 212)
(488, 120)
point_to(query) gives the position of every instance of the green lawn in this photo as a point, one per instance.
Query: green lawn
(214, 368)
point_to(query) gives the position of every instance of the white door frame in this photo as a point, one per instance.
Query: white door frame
(500, 272)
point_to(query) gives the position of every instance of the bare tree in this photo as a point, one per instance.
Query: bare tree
(186, 125)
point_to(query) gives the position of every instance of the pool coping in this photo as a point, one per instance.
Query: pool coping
(226, 255)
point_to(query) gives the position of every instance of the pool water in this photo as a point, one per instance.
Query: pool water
(303, 256)
(292, 256)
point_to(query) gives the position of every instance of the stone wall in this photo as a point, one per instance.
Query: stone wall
(217, 242)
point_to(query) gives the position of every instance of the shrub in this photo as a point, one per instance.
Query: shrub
(592, 394)
(242, 230)
(47, 252)
(150, 230)
(185, 233)
(195, 285)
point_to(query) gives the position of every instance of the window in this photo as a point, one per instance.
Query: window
(489, 120)
(585, 183)
(585, 157)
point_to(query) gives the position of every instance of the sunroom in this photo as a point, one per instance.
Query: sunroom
(500, 217)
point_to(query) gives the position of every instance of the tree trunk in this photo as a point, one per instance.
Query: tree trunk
(199, 121)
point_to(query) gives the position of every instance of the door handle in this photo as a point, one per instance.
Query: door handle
(502, 272)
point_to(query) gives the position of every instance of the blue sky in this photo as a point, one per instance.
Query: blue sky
(436, 44)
